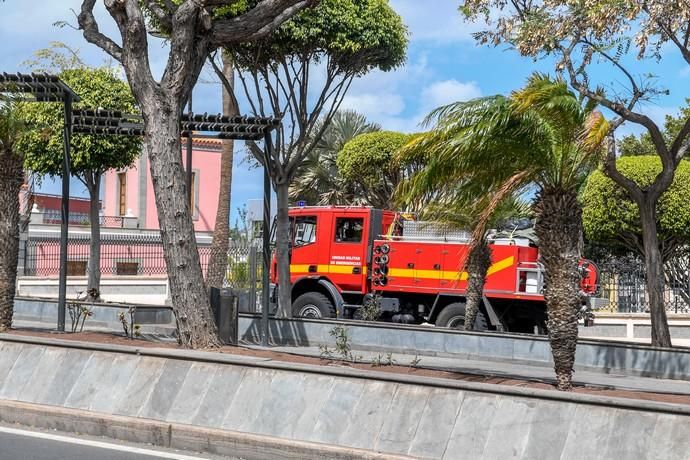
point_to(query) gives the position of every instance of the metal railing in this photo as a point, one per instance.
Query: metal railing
(622, 287)
(139, 255)
(78, 219)
(124, 255)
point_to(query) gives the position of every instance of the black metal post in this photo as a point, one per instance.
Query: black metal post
(64, 222)
(190, 192)
(265, 304)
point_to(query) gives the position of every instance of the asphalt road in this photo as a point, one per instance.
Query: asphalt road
(19, 444)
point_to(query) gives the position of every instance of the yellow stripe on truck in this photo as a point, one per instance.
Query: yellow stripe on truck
(447, 275)
(335, 269)
(405, 272)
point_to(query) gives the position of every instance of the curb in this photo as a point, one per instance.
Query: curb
(177, 436)
(434, 382)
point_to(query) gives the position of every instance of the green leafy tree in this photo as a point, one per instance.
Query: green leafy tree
(591, 39)
(301, 73)
(542, 136)
(371, 163)
(91, 156)
(12, 127)
(318, 180)
(194, 29)
(610, 217)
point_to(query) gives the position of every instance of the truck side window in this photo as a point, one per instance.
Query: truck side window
(348, 230)
(304, 230)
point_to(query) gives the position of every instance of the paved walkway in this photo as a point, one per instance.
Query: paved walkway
(507, 370)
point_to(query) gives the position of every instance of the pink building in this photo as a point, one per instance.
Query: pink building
(129, 192)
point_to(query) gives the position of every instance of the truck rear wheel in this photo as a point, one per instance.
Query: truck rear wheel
(453, 317)
(313, 305)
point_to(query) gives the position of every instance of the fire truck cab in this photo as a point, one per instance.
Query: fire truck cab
(342, 257)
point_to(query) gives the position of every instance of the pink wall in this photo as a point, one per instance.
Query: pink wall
(148, 255)
(111, 203)
(205, 161)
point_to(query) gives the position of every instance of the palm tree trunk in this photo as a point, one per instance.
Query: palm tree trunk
(478, 264)
(11, 179)
(559, 229)
(218, 261)
(93, 287)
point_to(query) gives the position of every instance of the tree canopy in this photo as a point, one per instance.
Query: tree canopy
(99, 87)
(610, 217)
(370, 162)
(318, 180)
(354, 35)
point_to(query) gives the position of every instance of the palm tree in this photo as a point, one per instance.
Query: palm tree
(461, 208)
(543, 136)
(11, 180)
(218, 261)
(317, 180)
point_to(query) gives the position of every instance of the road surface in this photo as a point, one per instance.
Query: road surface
(22, 444)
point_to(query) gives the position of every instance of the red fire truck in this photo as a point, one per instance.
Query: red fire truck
(342, 257)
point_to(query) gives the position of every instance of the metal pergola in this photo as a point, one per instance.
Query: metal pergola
(240, 127)
(49, 88)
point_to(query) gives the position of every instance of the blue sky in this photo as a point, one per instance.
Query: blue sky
(444, 65)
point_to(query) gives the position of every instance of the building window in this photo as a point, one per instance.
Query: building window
(348, 230)
(127, 268)
(76, 267)
(122, 188)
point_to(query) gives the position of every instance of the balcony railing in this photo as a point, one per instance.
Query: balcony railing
(51, 217)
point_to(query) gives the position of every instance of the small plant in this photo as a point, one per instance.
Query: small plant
(381, 360)
(370, 310)
(326, 352)
(78, 314)
(130, 328)
(343, 348)
(342, 341)
(415, 362)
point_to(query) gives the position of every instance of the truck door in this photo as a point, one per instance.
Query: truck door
(454, 276)
(427, 266)
(304, 253)
(348, 262)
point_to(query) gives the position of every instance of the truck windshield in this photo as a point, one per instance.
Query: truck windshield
(303, 230)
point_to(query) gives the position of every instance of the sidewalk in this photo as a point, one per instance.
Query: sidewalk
(505, 370)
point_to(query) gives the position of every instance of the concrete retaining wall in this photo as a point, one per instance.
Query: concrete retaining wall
(425, 341)
(150, 290)
(421, 418)
(105, 315)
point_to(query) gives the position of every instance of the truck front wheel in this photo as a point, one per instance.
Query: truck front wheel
(313, 305)
(453, 317)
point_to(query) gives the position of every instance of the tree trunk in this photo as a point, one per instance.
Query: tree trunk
(218, 262)
(93, 287)
(478, 264)
(283, 251)
(190, 302)
(654, 266)
(11, 179)
(559, 229)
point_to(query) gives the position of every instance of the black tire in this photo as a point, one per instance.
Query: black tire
(453, 317)
(313, 305)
